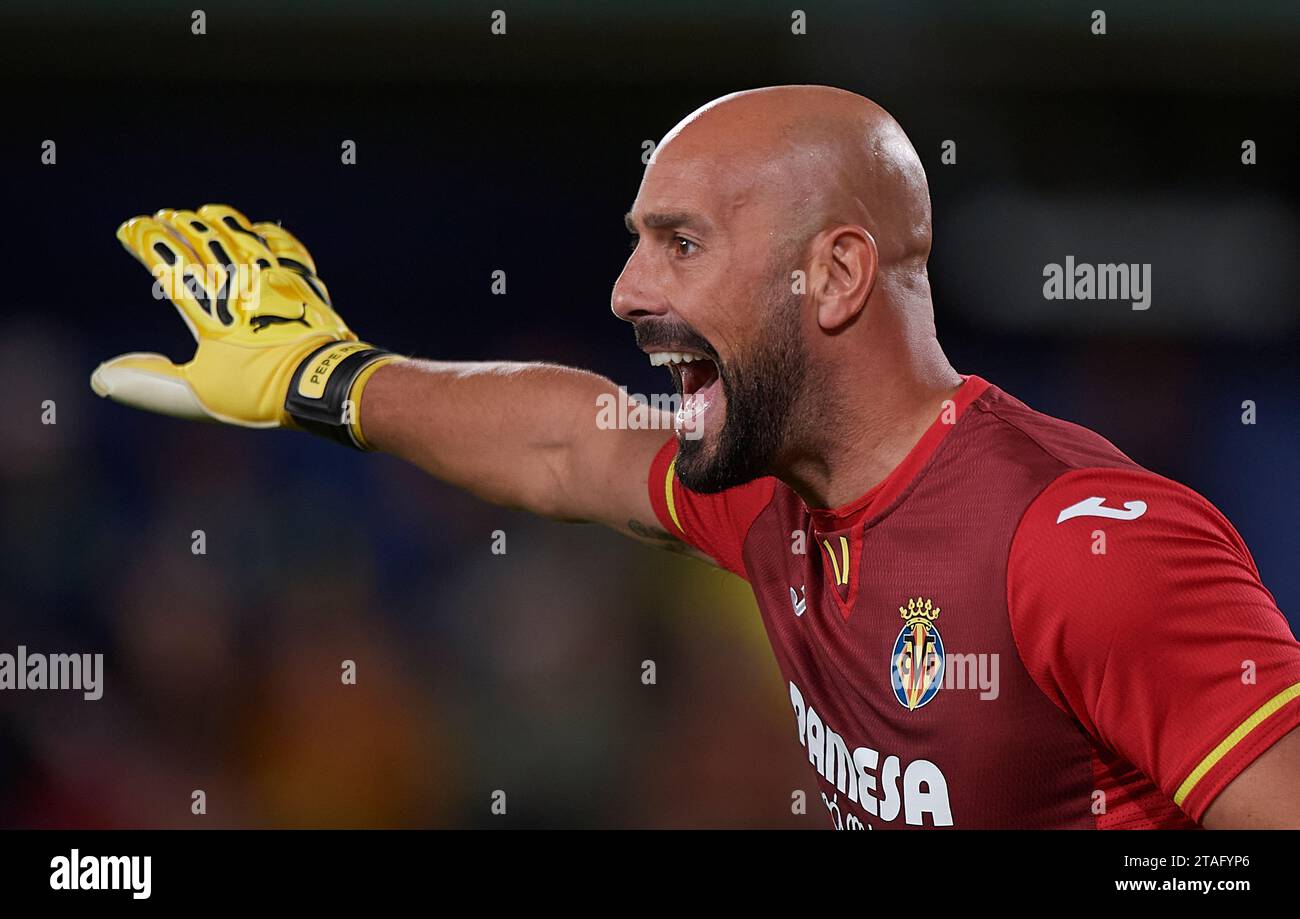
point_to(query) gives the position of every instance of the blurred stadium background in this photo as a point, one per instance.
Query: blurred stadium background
(522, 152)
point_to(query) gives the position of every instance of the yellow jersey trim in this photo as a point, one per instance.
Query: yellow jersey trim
(1236, 737)
(668, 494)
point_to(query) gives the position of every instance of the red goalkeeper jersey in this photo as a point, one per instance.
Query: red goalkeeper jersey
(1019, 627)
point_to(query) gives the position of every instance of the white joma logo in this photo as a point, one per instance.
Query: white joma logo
(1096, 507)
(799, 603)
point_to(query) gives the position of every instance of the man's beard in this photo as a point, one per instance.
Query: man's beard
(761, 392)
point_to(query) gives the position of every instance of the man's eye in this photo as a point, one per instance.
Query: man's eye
(683, 245)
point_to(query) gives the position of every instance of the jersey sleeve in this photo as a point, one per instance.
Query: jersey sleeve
(1138, 610)
(715, 524)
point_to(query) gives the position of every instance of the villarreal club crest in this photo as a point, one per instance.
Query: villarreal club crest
(916, 664)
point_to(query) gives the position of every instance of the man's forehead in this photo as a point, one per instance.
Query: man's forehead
(694, 191)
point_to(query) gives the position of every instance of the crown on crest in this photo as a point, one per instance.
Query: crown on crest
(919, 610)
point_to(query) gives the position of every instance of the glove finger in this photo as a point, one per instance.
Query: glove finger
(173, 262)
(293, 256)
(182, 223)
(244, 242)
(150, 382)
(227, 269)
(286, 247)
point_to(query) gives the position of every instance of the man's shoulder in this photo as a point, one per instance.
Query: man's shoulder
(1075, 467)
(1002, 454)
(1000, 421)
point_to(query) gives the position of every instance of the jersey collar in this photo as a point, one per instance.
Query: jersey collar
(882, 494)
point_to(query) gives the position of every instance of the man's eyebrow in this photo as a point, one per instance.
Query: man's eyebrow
(669, 220)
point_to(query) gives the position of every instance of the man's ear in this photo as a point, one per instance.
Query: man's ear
(849, 260)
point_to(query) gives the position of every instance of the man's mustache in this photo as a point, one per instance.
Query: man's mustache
(671, 336)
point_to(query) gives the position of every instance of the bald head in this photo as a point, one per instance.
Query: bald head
(821, 155)
(779, 272)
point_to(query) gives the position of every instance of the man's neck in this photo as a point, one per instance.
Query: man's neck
(857, 442)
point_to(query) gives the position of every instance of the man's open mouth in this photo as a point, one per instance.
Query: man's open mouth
(697, 381)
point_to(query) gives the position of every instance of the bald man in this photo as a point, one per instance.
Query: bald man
(985, 617)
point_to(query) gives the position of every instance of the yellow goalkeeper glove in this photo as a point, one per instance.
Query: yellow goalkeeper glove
(271, 350)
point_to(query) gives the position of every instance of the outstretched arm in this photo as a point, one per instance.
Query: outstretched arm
(522, 435)
(272, 352)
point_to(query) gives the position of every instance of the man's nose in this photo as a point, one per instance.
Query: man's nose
(634, 298)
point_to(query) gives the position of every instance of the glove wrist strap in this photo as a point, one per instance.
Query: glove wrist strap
(319, 397)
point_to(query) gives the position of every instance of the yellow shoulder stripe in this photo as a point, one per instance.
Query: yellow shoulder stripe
(1236, 737)
(668, 494)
